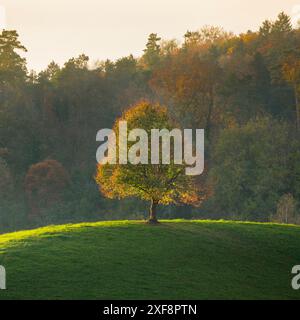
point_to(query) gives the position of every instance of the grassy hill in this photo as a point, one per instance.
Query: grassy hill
(131, 260)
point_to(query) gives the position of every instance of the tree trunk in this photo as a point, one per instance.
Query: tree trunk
(152, 212)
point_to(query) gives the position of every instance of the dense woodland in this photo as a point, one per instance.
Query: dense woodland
(243, 90)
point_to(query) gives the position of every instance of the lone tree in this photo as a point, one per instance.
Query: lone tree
(157, 183)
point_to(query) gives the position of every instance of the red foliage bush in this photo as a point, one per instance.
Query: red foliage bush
(45, 183)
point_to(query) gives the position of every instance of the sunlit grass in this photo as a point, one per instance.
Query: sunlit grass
(177, 259)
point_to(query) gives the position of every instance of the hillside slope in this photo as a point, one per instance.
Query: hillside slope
(131, 260)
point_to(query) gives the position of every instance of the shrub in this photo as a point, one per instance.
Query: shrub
(45, 183)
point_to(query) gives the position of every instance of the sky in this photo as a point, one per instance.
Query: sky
(109, 29)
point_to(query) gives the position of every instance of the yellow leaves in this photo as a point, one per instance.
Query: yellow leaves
(166, 183)
(248, 37)
(291, 70)
(230, 50)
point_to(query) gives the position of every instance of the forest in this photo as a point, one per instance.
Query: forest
(243, 90)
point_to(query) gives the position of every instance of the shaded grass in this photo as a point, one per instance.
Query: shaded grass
(177, 259)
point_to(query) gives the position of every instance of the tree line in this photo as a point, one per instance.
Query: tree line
(242, 89)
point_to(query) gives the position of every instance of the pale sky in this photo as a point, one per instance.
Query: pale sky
(60, 29)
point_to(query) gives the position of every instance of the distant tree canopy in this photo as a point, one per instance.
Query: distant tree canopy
(251, 168)
(12, 66)
(152, 52)
(6, 179)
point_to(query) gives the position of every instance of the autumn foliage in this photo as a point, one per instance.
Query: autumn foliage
(44, 185)
(160, 184)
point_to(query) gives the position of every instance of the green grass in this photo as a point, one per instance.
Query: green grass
(131, 260)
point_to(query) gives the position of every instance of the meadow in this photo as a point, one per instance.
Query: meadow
(177, 259)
